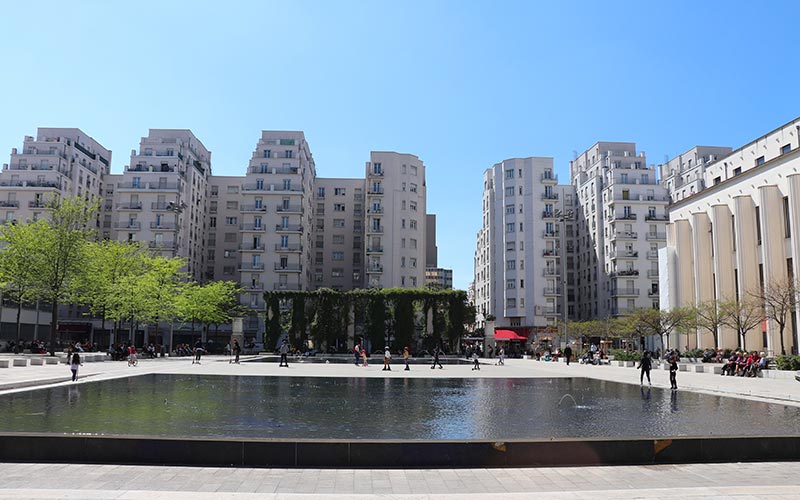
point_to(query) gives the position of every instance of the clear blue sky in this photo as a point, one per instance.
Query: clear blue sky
(461, 84)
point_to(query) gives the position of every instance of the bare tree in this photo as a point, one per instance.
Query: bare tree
(708, 316)
(779, 298)
(661, 322)
(742, 315)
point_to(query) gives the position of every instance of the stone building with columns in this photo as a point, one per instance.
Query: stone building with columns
(740, 231)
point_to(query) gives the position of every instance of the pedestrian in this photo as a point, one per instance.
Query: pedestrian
(645, 365)
(198, 352)
(406, 355)
(568, 354)
(475, 359)
(673, 370)
(364, 357)
(356, 353)
(284, 350)
(237, 349)
(436, 358)
(387, 359)
(501, 356)
(76, 362)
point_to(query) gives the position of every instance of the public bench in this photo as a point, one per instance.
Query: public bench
(20, 361)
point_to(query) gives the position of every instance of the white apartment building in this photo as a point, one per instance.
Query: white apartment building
(523, 259)
(396, 204)
(683, 175)
(621, 215)
(161, 198)
(740, 232)
(339, 248)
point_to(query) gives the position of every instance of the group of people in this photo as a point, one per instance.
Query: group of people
(744, 364)
(646, 364)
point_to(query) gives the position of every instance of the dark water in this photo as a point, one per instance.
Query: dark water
(370, 408)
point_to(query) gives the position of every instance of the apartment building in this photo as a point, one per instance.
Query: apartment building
(683, 175)
(339, 248)
(161, 198)
(439, 277)
(58, 162)
(740, 232)
(524, 256)
(621, 215)
(396, 204)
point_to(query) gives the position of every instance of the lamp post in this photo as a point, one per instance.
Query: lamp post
(176, 208)
(562, 217)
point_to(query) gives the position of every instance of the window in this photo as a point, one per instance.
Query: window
(232, 205)
(759, 160)
(338, 239)
(337, 272)
(412, 205)
(412, 223)
(229, 254)
(321, 192)
(413, 244)
(338, 222)
(412, 187)
(520, 227)
(510, 173)
(413, 262)
(510, 191)
(413, 170)
(510, 246)
(230, 237)
(510, 284)
(737, 171)
(233, 189)
(339, 191)
(511, 265)
(212, 222)
(338, 256)
(338, 207)
(510, 227)
(785, 149)
(511, 302)
(231, 220)
(510, 209)
(787, 228)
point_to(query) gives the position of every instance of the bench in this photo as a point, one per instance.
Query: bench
(5, 363)
(698, 368)
(713, 369)
(37, 361)
(51, 360)
(20, 361)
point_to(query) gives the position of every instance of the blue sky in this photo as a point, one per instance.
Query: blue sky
(461, 84)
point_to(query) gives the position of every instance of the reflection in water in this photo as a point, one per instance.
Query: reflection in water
(387, 408)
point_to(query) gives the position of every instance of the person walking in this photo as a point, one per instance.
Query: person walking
(673, 370)
(501, 356)
(364, 357)
(284, 350)
(356, 353)
(76, 362)
(568, 354)
(436, 358)
(646, 364)
(406, 355)
(387, 359)
(198, 352)
(237, 349)
(475, 359)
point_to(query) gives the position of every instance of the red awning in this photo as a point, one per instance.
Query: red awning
(508, 335)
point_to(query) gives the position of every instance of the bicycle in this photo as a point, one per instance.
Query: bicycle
(132, 360)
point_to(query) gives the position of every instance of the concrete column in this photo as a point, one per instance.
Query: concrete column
(747, 252)
(684, 274)
(723, 244)
(792, 338)
(773, 254)
(703, 258)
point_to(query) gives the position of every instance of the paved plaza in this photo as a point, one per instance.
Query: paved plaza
(718, 481)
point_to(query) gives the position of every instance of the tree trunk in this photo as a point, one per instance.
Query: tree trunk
(783, 346)
(19, 321)
(53, 326)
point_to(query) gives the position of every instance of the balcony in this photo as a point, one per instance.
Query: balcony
(261, 187)
(295, 209)
(375, 229)
(624, 216)
(375, 269)
(10, 204)
(252, 248)
(37, 204)
(551, 234)
(552, 291)
(656, 236)
(289, 248)
(548, 215)
(254, 287)
(550, 252)
(273, 170)
(375, 190)
(251, 266)
(376, 173)
(625, 272)
(134, 205)
(652, 293)
(620, 311)
(164, 226)
(286, 286)
(551, 272)
(623, 254)
(624, 292)
(289, 228)
(128, 225)
(549, 177)
(288, 268)
(162, 245)
(162, 206)
(375, 210)
(652, 273)
(652, 254)
(551, 311)
(153, 186)
(35, 184)
(638, 197)
(624, 235)
(656, 217)
(252, 227)
(374, 249)
(244, 208)
(549, 196)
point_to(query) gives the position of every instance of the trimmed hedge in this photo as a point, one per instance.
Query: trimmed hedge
(791, 363)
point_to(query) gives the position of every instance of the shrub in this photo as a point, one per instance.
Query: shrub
(622, 355)
(788, 363)
(693, 353)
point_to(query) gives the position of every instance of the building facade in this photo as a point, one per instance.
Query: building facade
(737, 235)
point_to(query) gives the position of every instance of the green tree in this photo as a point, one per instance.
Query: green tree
(297, 331)
(742, 315)
(17, 268)
(209, 304)
(709, 317)
(403, 320)
(273, 322)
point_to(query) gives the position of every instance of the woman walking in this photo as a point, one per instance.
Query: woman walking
(387, 359)
(76, 362)
(646, 364)
(364, 357)
(406, 355)
(673, 369)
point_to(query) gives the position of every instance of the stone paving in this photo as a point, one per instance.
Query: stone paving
(693, 481)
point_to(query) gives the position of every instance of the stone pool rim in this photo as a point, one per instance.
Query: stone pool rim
(336, 453)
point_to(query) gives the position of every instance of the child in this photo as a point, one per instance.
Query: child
(364, 357)
(76, 362)
(475, 360)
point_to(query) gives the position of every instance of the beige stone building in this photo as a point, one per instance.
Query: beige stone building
(737, 234)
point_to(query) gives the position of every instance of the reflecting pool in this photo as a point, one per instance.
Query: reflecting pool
(391, 408)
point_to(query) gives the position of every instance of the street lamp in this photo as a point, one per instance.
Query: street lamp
(562, 217)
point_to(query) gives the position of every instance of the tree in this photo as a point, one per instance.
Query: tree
(742, 315)
(209, 304)
(297, 331)
(660, 322)
(17, 269)
(403, 320)
(780, 298)
(709, 317)
(60, 253)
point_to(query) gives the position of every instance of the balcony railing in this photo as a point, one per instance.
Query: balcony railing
(617, 254)
(252, 248)
(549, 178)
(127, 225)
(375, 210)
(656, 236)
(624, 292)
(548, 215)
(286, 286)
(550, 252)
(251, 266)
(162, 245)
(376, 173)
(652, 293)
(625, 235)
(252, 227)
(293, 268)
(375, 229)
(17, 183)
(374, 269)
(171, 186)
(551, 311)
(130, 206)
(37, 204)
(166, 226)
(551, 272)
(289, 248)
(254, 287)
(374, 249)
(375, 190)
(624, 216)
(663, 217)
(289, 209)
(551, 234)
(252, 208)
(9, 203)
(554, 291)
(255, 186)
(625, 272)
(652, 273)
(549, 196)
(292, 228)
(619, 311)
(652, 254)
